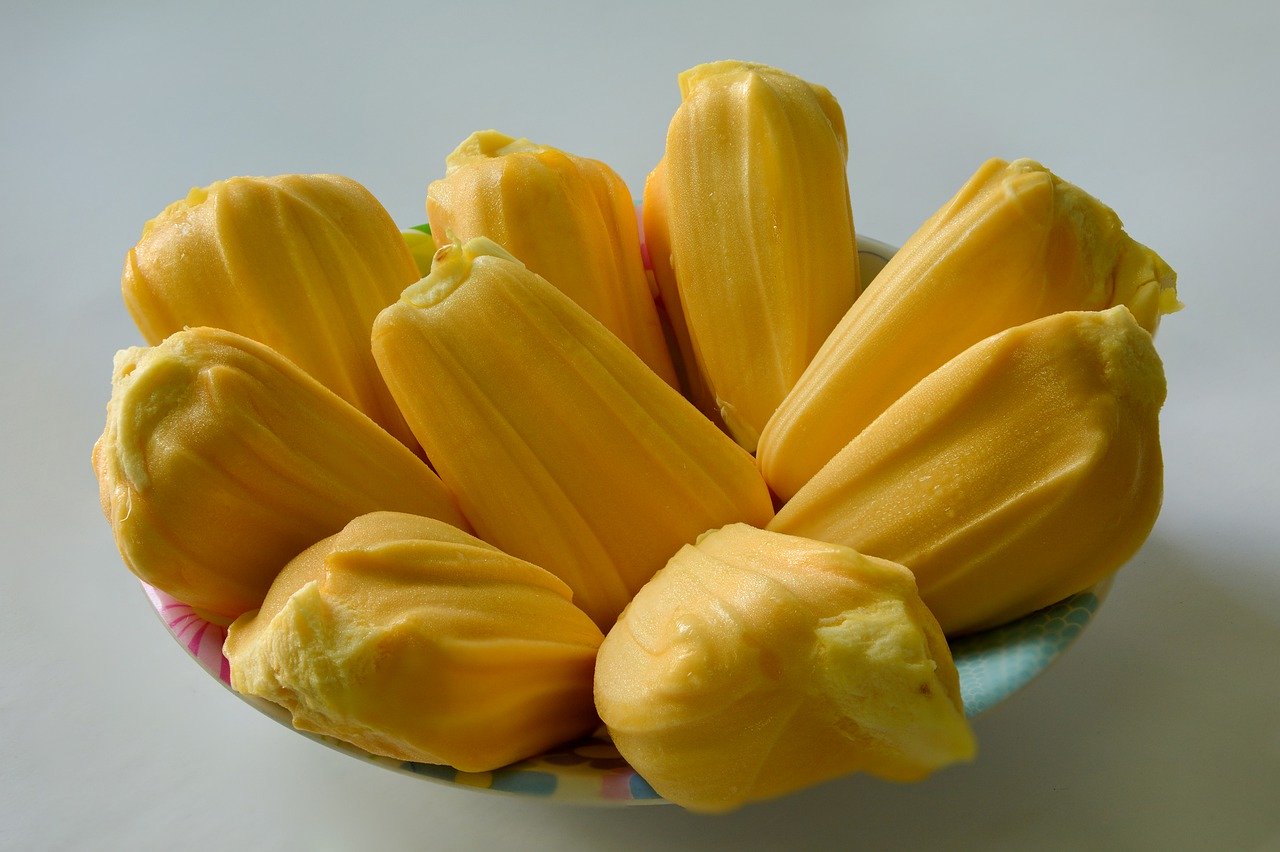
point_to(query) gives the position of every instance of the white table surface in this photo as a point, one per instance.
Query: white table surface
(1159, 730)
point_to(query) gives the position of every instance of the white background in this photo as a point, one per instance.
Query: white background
(1160, 729)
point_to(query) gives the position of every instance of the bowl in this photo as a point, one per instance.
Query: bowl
(993, 665)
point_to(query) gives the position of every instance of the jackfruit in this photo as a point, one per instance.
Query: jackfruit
(1014, 244)
(569, 219)
(751, 234)
(561, 446)
(411, 639)
(302, 263)
(1024, 470)
(756, 664)
(662, 279)
(221, 461)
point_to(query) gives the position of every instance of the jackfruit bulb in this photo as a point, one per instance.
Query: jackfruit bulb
(1022, 471)
(1015, 243)
(221, 460)
(409, 638)
(757, 664)
(302, 263)
(751, 235)
(562, 447)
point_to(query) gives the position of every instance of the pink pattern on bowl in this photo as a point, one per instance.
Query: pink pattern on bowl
(203, 639)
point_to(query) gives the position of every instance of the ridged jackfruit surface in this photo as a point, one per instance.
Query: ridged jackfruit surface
(562, 447)
(567, 218)
(751, 234)
(221, 461)
(1015, 243)
(756, 664)
(1026, 469)
(411, 639)
(302, 263)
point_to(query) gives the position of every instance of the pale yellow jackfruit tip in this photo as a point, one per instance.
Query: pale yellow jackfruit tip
(450, 268)
(700, 74)
(1130, 366)
(194, 198)
(487, 144)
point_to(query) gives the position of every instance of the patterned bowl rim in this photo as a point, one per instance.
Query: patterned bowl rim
(993, 665)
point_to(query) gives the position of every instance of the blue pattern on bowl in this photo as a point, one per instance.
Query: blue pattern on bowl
(997, 663)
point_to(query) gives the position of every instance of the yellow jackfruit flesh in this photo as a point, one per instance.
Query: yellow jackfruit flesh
(1024, 470)
(561, 446)
(568, 219)
(411, 639)
(654, 217)
(1016, 243)
(751, 235)
(756, 664)
(302, 263)
(221, 461)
